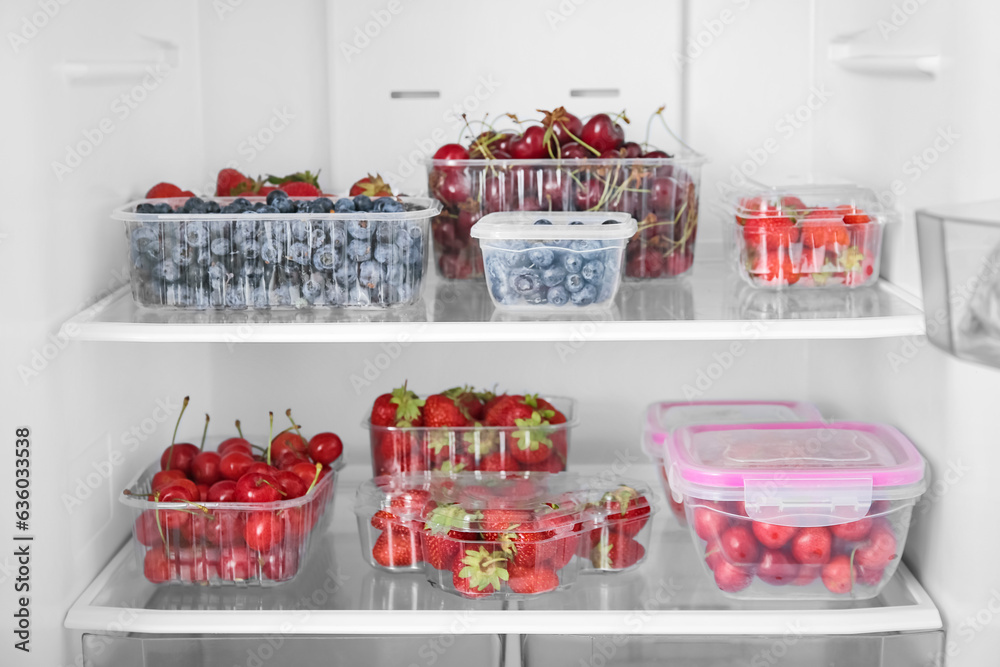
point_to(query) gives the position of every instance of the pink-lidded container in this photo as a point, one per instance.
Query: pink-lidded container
(663, 418)
(805, 510)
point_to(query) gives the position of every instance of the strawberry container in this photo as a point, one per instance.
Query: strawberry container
(205, 543)
(486, 535)
(662, 419)
(250, 259)
(553, 262)
(661, 193)
(542, 447)
(805, 510)
(807, 237)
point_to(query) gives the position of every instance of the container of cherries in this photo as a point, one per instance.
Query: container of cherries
(240, 514)
(562, 162)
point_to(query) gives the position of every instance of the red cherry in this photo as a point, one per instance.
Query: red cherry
(291, 440)
(602, 133)
(454, 188)
(575, 151)
(197, 565)
(235, 563)
(588, 196)
(281, 564)
(807, 574)
(732, 578)
(262, 468)
(165, 477)
(179, 490)
(225, 527)
(837, 574)
(223, 491)
(202, 491)
(325, 448)
(776, 568)
(146, 530)
(305, 471)
(713, 554)
(263, 531)
(258, 487)
(497, 193)
(554, 185)
(234, 444)
(659, 155)
(739, 545)
(205, 467)
(234, 465)
(291, 484)
(855, 531)
(567, 121)
(632, 150)
(773, 536)
(155, 566)
(878, 550)
(811, 546)
(709, 523)
(868, 576)
(180, 459)
(530, 145)
(451, 152)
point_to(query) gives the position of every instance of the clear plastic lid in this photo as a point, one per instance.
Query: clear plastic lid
(663, 418)
(807, 473)
(520, 225)
(802, 202)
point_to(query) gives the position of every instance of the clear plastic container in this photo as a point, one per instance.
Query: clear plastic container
(661, 193)
(806, 510)
(276, 260)
(397, 450)
(571, 261)
(203, 543)
(662, 419)
(807, 236)
(503, 535)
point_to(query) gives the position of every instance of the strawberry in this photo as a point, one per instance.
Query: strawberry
(298, 177)
(491, 401)
(530, 549)
(498, 462)
(495, 411)
(400, 407)
(443, 411)
(397, 547)
(231, 180)
(532, 580)
(858, 218)
(466, 398)
(164, 191)
(411, 501)
(383, 519)
(616, 551)
(373, 186)
(628, 510)
(300, 189)
(781, 270)
(477, 572)
(770, 233)
(819, 230)
(497, 521)
(439, 549)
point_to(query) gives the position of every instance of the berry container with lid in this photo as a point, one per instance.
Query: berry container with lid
(807, 236)
(553, 262)
(804, 510)
(225, 543)
(237, 257)
(499, 536)
(540, 443)
(660, 192)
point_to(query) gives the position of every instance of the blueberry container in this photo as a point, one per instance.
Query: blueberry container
(266, 259)
(553, 262)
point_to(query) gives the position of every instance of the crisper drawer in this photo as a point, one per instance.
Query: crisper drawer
(290, 651)
(791, 649)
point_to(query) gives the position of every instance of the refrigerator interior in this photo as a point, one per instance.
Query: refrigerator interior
(114, 96)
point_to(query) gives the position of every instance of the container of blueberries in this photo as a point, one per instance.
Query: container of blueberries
(279, 252)
(553, 261)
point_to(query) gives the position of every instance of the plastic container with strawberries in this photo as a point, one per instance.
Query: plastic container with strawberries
(225, 543)
(806, 237)
(534, 437)
(806, 510)
(502, 535)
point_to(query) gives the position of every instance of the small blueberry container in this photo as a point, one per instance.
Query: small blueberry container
(553, 261)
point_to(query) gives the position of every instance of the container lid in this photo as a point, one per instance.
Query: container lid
(416, 208)
(806, 202)
(521, 225)
(663, 418)
(803, 474)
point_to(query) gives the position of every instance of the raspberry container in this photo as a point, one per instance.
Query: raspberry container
(486, 535)
(542, 447)
(661, 193)
(662, 419)
(204, 543)
(805, 510)
(276, 260)
(807, 237)
(553, 262)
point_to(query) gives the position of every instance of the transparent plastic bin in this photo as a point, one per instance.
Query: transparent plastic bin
(663, 418)
(502, 536)
(571, 264)
(398, 450)
(805, 510)
(661, 193)
(203, 543)
(960, 271)
(276, 260)
(807, 237)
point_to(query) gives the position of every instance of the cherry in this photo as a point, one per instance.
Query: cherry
(709, 523)
(588, 196)
(145, 529)
(632, 150)
(807, 574)
(656, 154)
(174, 520)
(263, 531)
(455, 267)
(451, 152)
(234, 465)
(291, 484)
(287, 459)
(262, 468)
(565, 126)
(165, 477)
(463, 227)
(575, 151)
(530, 145)
(235, 563)
(179, 490)
(453, 188)
(552, 189)
(869, 576)
(713, 554)
(739, 545)
(202, 491)
(732, 578)
(878, 550)
(855, 531)
(281, 564)
(645, 264)
(325, 448)
(776, 568)
(223, 491)
(178, 456)
(497, 192)
(288, 441)
(773, 536)
(205, 468)
(602, 133)
(305, 471)
(224, 528)
(258, 487)
(197, 565)
(837, 575)
(811, 546)
(156, 566)
(663, 194)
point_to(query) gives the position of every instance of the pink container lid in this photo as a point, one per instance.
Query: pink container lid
(804, 473)
(662, 419)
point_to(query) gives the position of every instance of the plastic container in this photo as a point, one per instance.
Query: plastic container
(276, 260)
(569, 262)
(807, 236)
(204, 544)
(805, 510)
(503, 535)
(662, 194)
(398, 450)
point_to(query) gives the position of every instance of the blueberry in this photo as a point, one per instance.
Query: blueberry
(338, 236)
(543, 222)
(242, 202)
(216, 273)
(275, 195)
(300, 230)
(195, 233)
(359, 229)
(317, 237)
(264, 208)
(232, 208)
(251, 250)
(281, 295)
(194, 205)
(576, 222)
(313, 288)
(388, 205)
(557, 296)
(584, 246)
(592, 271)
(362, 203)
(524, 281)
(344, 205)
(402, 238)
(513, 259)
(167, 271)
(572, 262)
(359, 250)
(402, 293)
(144, 208)
(335, 294)
(541, 256)
(181, 256)
(162, 208)
(235, 298)
(346, 274)
(387, 253)
(612, 222)
(282, 204)
(574, 282)
(212, 207)
(385, 231)
(552, 276)
(304, 206)
(370, 274)
(323, 203)
(315, 207)
(299, 253)
(585, 296)
(394, 275)
(145, 241)
(220, 246)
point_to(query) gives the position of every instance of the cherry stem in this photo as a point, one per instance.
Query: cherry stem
(270, 433)
(170, 457)
(203, 434)
(288, 413)
(581, 141)
(239, 430)
(319, 469)
(671, 132)
(278, 489)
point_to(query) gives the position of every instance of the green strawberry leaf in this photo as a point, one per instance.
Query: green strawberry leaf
(408, 405)
(444, 518)
(529, 436)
